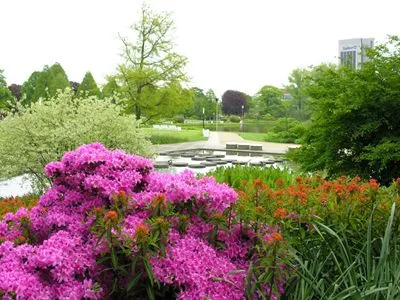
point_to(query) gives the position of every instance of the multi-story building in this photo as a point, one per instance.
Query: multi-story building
(352, 52)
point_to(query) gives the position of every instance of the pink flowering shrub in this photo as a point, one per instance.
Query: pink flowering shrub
(112, 227)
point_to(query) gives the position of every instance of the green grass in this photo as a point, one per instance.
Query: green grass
(172, 136)
(266, 137)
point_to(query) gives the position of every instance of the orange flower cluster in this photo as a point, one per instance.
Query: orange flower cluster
(308, 197)
(12, 204)
(111, 215)
(141, 234)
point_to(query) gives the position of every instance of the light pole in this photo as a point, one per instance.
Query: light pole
(216, 114)
(242, 117)
(203, 117)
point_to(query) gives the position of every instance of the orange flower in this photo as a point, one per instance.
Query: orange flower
(398, 180)
(280, 213)
(112, 215)
(279, 182)
(276, 236)
(299, 179)
(158, 201)
(373, 184)
(257, 182)
(260, 209)
(122, 195)
(141, 233)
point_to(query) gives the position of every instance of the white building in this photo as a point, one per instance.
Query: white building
(352, 51)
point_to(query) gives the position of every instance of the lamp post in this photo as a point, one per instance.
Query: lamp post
(242, 117)
(203, 117)
(216, 114)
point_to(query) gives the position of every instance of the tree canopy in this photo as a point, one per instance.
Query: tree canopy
(152, 73)
(88, 86)
(232, 102)
(355, 128)
(45, 84)
(6, 97)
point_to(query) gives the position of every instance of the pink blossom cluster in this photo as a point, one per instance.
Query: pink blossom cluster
(50, 251)
(193, 264)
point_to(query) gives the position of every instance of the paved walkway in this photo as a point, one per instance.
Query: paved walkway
(219, 139)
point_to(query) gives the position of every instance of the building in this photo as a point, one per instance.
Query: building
(352, 52)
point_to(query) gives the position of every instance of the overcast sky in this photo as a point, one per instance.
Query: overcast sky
(230, 44)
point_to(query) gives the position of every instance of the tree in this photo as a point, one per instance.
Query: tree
(152, 72)
(16, 91)
(111, 88)
(88, 86)
(43, 132)
(6, 98)
(269, 101)
(46, 83)
(232, 102)
(297, 84)
(74, 86)
(201, 101)
(355, 128)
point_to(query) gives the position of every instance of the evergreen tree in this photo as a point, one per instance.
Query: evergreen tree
(5, 96)
(88, 86)
(44, 84)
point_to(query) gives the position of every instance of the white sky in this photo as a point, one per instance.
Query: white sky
(230, 44)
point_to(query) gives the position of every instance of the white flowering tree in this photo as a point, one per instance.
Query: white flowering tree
(43, 132)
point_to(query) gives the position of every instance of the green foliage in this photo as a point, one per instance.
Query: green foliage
(234, 119)
(201, 101)
(369, 269)
(172, 137)
(88, 86)
(6, 98)
(269, 101)
(110, 89)
(42, 133)
(45, 84)
(298, 80)
(234, 176)
(150, 77)
(179, 119)
(355, 128)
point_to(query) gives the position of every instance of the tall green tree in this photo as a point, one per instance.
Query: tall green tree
(151, 76)
(6, 98)
(355, 128)
(45, 84)
(202, 101)
(88, 86)
(297, 85)
(269, 101)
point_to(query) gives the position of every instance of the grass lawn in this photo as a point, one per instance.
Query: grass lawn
(172, 136)
(254, 136)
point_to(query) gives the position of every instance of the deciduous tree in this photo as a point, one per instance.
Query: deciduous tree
(232, 102)
(151, 76)
(355, 126)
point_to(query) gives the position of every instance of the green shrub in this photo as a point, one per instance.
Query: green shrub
(234, 119)
(179, 119)
(42, 133)
(234, 176)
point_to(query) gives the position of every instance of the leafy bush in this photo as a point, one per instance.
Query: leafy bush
(112, 227)
(179, 119)
(42, 133)
(338, 232)
(234, 119)
(235, 176)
